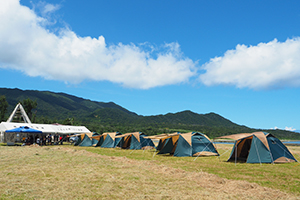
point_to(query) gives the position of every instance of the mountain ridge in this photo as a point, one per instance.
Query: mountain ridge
(58, 107)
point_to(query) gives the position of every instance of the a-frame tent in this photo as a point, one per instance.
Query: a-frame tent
(259, 147)
(189, 144)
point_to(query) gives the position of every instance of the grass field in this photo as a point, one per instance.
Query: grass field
(67, 172)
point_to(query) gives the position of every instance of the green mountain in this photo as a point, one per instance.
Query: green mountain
(104, 117)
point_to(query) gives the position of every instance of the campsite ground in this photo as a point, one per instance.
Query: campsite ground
(67, 172)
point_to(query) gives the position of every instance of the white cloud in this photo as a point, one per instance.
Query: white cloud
(289, 128)
(265, 66)
(26, 45)
(286, 128)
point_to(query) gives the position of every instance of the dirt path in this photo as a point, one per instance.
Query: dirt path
(66, 173)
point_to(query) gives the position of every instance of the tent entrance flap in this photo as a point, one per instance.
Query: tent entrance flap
(241, 150)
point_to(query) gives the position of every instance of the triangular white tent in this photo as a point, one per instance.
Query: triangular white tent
(19, 111)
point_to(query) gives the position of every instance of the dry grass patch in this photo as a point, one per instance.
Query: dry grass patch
(74, 173)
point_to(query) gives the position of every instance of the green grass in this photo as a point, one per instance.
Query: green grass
(68, 172)
(285, 177)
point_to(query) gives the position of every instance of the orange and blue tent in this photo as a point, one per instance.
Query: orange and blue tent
(189, 144)
(109, 140)
(135, 140)
(258, 147)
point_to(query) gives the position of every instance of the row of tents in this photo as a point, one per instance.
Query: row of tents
(257, 147)
(135, 140)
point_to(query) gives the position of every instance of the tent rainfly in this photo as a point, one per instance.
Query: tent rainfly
(189, 144)
(259, 147)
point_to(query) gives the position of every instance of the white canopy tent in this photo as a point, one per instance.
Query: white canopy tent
(45, 128)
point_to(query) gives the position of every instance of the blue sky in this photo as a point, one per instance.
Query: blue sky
(239, 59)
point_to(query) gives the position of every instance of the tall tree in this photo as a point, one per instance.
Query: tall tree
(3, 107)
(69, 121)
(29, 105)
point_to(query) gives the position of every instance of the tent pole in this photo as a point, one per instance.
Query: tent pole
(235, 151)
(271, 157)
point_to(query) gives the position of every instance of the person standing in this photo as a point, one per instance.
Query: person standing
(52, 139)
(61, 140)
(55, 139)
(44, 140)
(49, 139)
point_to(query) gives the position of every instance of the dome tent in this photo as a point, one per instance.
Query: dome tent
(85, 141)
(135, 140)
(189, 144)
(259, 147)
(110, 140)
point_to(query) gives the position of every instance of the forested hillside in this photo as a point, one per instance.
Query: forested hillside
(105, 117)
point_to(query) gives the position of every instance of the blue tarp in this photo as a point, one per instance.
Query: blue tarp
(23, 129)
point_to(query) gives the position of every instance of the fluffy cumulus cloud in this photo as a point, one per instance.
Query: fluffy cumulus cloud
(26, 45)
(265, 66)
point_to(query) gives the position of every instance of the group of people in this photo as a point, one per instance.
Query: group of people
(50, 139)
